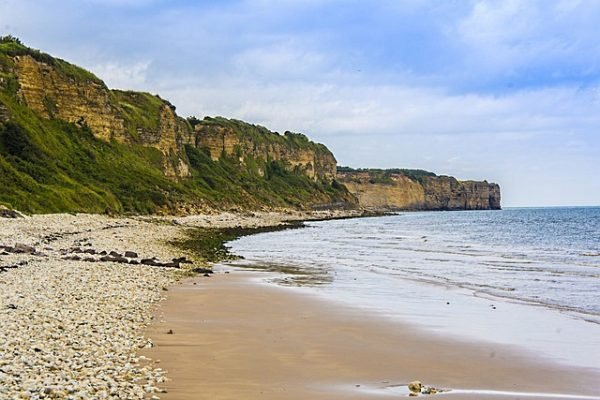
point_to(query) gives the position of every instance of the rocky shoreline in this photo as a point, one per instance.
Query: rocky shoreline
(76, 292)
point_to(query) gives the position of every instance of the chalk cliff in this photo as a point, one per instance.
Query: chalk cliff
(418, 190)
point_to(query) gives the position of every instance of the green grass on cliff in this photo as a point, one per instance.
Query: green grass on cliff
(54, 166)
(229, 182)
(261, 135)
(140, 111)
(49, 165)
(384, 176)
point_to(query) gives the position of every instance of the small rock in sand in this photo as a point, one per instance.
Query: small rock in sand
(23, 248)
(415, 386)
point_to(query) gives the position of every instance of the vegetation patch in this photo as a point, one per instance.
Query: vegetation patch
(208, 245)
(384, 176)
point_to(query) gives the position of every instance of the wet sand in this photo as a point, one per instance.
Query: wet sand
(235, 337)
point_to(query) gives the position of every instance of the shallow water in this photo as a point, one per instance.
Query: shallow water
(403, 391)
(528, 277)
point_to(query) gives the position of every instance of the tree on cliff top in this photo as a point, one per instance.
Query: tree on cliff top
(10, 39)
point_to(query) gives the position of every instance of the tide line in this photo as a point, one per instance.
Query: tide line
(403, 390)
(525, 394)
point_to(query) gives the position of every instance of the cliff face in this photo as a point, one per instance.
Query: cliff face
(384, 190)
(447, 193)
(69, 143)
(56, 95)
(60, 90)
(251, 143)
(399, 194)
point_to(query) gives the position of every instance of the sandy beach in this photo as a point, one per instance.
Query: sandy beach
(75, 297)
(235, 337)
(77, 322)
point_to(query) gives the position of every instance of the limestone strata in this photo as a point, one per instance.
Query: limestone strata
(447, 193)
(52, 93)
(401, 192)
(140, 118)
(313, 160)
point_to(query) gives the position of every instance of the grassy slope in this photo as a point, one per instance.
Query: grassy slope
(261, 135)
(54, 166)
(384, 175)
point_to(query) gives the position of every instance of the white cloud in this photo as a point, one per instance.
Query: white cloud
(361, 109)
(503, 36)
(122, 76)
(284, 59)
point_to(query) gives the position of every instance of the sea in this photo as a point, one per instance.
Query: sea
(522, 277)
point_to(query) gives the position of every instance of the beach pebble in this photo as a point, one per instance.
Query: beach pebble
(77, 328)
(415, 387)
(23, 248)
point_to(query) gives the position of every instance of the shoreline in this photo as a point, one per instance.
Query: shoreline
(432, 286)
(112, 311)
(235, 336)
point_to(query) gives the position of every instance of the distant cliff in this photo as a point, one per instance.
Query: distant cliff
(417, 190)
(69, 143)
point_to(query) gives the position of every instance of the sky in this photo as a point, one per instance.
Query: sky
(506, 91)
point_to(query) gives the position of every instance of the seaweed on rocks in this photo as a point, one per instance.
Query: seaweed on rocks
(209, 244)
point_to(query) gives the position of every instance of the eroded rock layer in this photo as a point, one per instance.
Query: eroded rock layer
(250, 143)
(69, 143)
(125, 116)
(384, 190)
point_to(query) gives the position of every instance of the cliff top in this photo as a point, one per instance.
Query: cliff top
(378, 175)
(258, 134)
(11, 46)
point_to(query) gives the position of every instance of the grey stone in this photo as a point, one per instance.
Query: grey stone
(23, 248)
